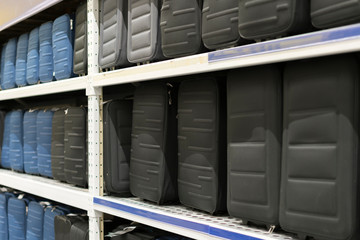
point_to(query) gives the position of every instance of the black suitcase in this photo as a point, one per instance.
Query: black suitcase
(254, 137)
(62, 226)
(332, 13)
(275, 18)
(180, 23)
(202, 145)
(219, 24)
(117, 144)
(80, 41)
(57, 145)
(75, 148)
(153, 162)
(79, 230)
(319, 179)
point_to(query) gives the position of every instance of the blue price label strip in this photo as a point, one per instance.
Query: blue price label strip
(299, 41)
(217, 232)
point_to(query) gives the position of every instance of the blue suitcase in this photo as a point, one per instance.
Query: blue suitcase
(4, 197)
(17, 218)
(49, 217)
(16, 141)
(62, 38)
(21, 59)
(44, 132)
(8, 77)
(46, 65)
(2, 123)
(35, 221)
(30, 143)
(2, 63)
(32, 67)
(5, 149)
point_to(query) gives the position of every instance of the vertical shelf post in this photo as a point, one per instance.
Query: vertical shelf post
(95, 148)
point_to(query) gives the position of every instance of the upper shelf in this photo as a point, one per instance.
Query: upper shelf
(67, 85)
(321, 43)
(46, 188)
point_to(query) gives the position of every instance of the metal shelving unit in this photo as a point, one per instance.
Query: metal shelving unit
(177, 219)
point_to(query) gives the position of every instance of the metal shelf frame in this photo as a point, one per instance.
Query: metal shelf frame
(177, 219)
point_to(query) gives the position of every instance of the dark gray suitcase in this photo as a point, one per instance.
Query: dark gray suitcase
(75, 149)
(117, 144)
(57, 145)
(202, 145)
(219, 24)
(254, 137)
(332, 13)
(153, 162)
(180, 24)
(113, 33)
(144, 40)
(79, 230)
(319, 179)
(62, 226)
(80, 40)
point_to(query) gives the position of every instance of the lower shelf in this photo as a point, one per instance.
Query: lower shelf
(182, 220)
(46, 188)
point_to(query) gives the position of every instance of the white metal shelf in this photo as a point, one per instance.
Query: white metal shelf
(59, 86)
(182, 220)
(46, 188)
(321, 43)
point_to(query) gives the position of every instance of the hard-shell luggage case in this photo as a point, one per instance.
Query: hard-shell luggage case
(62, 40)
(57, 145)
(2, 64)
(319, 176)
(5, 149)
(63, 226)
(113, 33)
(202, 145)
(43, 135)
(2, 126)
(219, 24)
(75, 156)
(180, 24)
(16, 154)
(17, 218)
(30, 142)
(49, 219)
(117, 144)
(46, 64)
(153, 158)
(4, 226)
(80, 41)
(332, 13)
(260, 20)
(32, 66)
(35, 221)
(21, 60)
(80, 230)
(254, 150)
(8, 77)
(144, 40)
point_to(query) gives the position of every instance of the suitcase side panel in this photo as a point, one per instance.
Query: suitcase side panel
(30, 142)
(32, 67)
(49, 226)
(44, 131)
(17, 218)
(5, 150)
(57, 145)
(79, 231)
(2, 65)
(21, 60)
(80, 42)
(35, 221)
(16, 156)
(3, 216)
(46, 64)
(8, 79)
(2, 125)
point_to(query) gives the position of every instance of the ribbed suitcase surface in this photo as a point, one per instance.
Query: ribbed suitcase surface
(63, 225)
(332, 13)
(75, 166)
(180, 25)
(21, 59)
(35, 221)
(2, 126)
(113, 33)
(62, 47)
(320, 148)
(79, 230)
(274, 18)
(219, 23)
(4, 226)
(16, 154)
(202, 147)
(17, 218)
(46, 64)
(80, 41)
(5, 149)
(2, 64)
(117, 144)
(254, 137)
(57, 145)
(43, 136)
(153, 162)
(49, 226)
(144, 41)
(30, 142)
(8, 77)
(32, 67)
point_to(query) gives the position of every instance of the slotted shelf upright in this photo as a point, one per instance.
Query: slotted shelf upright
(177, 219)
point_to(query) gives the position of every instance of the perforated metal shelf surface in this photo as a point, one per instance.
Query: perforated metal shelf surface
(182, 220)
